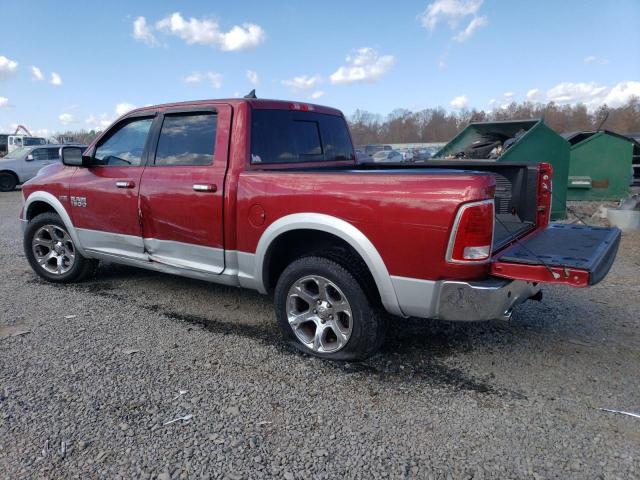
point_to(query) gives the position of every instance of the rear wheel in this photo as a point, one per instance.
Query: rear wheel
(8, 182)
(324, 311)
(52, 253)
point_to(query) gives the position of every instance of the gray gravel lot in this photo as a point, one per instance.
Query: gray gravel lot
(443, 400)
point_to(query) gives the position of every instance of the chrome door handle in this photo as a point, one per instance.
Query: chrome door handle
(205, 187)
(125, 184)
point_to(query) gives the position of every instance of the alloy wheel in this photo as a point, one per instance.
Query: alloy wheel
(53, 249)
(319, 314)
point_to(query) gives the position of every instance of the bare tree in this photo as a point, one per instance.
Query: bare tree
(438, 125)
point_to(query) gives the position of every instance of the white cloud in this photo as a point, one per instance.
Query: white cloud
(253, 77)
(215, 79)
(620, 93)
(442, 65)
(534, 94)
(507, 94)
(36, 74)
(99, 122)
(474, 24)
(66, 118)
(102, 121)
(592, 59)
(124, 107)
(303, 82)
(249, 35)
(450, 11)
(591, 94)
(582, 92)
(459, 102)
(55, 79)
(317, 94)
(144, 32)
(197, 77)
(7, 67)
(207, 32)
(365, 66)
(4, 101)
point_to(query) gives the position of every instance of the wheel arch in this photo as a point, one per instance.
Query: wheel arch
(40, 202)
(334, 228)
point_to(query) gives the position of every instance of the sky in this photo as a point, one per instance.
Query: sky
(78, 65)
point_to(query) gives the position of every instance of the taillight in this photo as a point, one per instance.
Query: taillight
(472, 233)
(545, 189)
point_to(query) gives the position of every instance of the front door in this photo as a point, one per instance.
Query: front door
(182, 189)
(104, 196)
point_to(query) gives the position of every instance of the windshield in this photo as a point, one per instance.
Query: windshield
(19, 153)
(33, 141)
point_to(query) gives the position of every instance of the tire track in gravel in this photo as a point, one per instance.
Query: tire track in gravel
(428, 370)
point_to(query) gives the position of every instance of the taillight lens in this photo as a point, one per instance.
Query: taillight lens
(472, 233)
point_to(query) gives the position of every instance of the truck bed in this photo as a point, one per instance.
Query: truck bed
(515, 191)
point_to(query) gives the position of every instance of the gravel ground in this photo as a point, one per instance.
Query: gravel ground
(90, 373)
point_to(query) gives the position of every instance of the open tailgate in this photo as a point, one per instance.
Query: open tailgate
(576, 255)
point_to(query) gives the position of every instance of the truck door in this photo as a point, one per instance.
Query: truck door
(182, 189)
(104, 196)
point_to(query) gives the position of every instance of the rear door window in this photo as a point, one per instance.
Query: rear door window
(284, 136)
(187, 139)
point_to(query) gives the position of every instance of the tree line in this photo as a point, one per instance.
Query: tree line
(439, 125)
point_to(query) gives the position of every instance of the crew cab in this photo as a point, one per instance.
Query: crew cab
(267, 195)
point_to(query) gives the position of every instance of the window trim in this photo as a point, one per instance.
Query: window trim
(156, 128)
(117, 126)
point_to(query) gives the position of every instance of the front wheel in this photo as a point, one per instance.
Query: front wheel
(324, 311)
(52, 253)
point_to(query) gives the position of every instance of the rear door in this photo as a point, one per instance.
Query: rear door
(577, 255)
(182, 189)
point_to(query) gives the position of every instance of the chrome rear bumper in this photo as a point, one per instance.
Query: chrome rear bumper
(489, 299)
(485, 300)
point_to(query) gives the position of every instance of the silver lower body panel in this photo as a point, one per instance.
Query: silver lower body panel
(489, 299)
(492, 299)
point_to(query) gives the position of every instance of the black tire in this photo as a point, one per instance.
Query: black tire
(368, 318)
(81, 268)
(481, 150)
(8, 182)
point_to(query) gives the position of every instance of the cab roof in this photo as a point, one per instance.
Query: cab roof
(256, 103)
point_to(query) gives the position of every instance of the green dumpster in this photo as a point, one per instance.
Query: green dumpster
(599, 165)
(516, 141)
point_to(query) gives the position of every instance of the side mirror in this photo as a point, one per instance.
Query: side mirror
(30, 157)
(72, 156)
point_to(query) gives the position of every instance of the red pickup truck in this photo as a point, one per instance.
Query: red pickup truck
(267, 195)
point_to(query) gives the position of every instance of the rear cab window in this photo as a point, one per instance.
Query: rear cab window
(285, 136)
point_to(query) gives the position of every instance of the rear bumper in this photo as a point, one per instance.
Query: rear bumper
(489, 299)
(485, 300)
